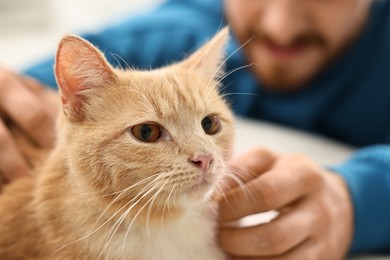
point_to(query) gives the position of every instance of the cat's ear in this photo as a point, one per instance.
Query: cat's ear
(209, 59)
(80, 68)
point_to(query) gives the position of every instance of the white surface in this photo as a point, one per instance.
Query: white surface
(31, 29)
(250, 134)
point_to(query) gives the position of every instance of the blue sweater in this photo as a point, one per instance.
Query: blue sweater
(348, 101)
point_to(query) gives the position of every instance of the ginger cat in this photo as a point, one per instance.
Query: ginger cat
(138, 156)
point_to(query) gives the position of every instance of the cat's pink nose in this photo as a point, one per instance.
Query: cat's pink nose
(202, 161)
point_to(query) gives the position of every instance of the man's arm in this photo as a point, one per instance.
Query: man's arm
(367, 175)
(153, 39)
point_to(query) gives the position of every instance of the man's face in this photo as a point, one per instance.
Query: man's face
(294, 39)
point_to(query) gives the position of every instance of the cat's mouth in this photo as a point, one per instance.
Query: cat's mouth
(203, 184)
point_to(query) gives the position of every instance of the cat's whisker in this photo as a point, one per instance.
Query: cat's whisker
(149, 209)
(227, 58)
(81, 187)
(220, 189)
(234, 174)
(98, 228)
(210, 205)
(141, 195)
(117, 61)
(241, 93)
(92, 192)
(221, 90)
(217, 98)
(222, 77)
(231, 94)
(209, 49)
(221, 192)
(148, 189)
(223, 96)
(123, 192)
(228, 73)
(139, 211)
(128, 188)
(247, 192)
(219, 80)
(116, 56)
(92, 198)
(167, 201)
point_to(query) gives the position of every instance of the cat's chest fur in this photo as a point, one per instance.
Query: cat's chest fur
(190, 237)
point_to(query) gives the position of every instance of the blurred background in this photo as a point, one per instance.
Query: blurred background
(31, 29)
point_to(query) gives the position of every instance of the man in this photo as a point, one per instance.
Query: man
(317, 65)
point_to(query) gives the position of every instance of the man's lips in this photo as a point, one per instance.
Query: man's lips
(285, 52)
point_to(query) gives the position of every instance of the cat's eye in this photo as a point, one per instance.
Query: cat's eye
(147, 133)
(211, 124)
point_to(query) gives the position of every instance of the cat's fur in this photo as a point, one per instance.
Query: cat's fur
(75, 206)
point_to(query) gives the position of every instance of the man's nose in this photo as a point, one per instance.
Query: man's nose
(283, 21)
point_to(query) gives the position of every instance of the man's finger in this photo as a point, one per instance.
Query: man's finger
(27, 110)
(33, 84)
(47, 95)
(248, 166)
(307, 250)
(289, 180)
(12, 163)
(279, 236)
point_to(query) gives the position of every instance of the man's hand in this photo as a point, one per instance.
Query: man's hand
(316, 216)
(24, 104)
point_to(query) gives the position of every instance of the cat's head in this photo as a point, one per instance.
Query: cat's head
(144, 136)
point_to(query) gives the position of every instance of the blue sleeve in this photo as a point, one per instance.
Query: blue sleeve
(367, 174)
(163, 35)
